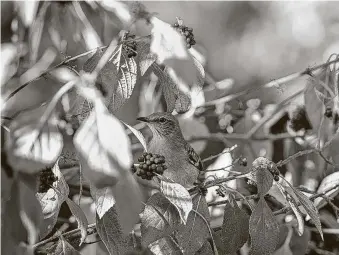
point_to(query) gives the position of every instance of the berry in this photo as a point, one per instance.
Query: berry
(150, 164)
(328, 112)
(299, 119)
(243, 161)
(185, 31)
(276, 178)
(153, 166)
(129, 46)
(46, 179)
(220, 192)
(151, 159)
(148, 156)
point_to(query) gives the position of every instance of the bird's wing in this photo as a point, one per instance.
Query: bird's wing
(193, 157)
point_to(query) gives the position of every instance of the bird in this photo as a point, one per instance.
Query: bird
(183, 163)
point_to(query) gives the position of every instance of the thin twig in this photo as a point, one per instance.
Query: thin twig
(228, 150)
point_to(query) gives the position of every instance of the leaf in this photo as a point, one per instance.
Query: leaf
(128, 197)
(64, 248)
(171, 50)
(300, 219)
(144, 58)
(285, 248)
(12, 229)
(310, 209)
(51, 201)
(80, 218)
(138, 135)
(27, 11)
(104, 147)
(234, 228)
(32, 145)
(263, 176)
(192, 236)
(158, 219)
(104, 200)
(175, 98)
(8, 68)
(264, 229)
(110, 232)
(206, 249)
(178, 196)
(327, 183)
(30, 212)
(333, 149)
(165, 246)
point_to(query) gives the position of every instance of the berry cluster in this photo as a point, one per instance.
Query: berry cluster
(130, 46)
(299, 119)
(149, 164)
(328, 112)
(46, 179)
(274, 171)
(187, 32)
(243, 161)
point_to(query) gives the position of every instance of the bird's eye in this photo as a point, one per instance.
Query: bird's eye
(162, 120)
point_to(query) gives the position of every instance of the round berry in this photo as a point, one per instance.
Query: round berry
(164, 167)
(243, 161)
(149, 173)
(328, 112)
(142, 172)
(144, 154)
(145, 166)
(141, 159)
(157, 161)
(187, 33)
(188, 39)
(151, 159)
(153, 166)
(148, 162)
(148, 156)
(160, 169)
(276, 178)
(176, 25)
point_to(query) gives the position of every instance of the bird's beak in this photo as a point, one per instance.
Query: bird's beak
(143, 119)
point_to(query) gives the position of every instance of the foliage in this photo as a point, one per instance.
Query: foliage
(77, 137)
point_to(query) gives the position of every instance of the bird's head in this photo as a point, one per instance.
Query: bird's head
(162, 124)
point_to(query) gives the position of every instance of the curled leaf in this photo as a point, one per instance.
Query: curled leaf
(165, 246)
(178, 196)
(138, 135)
(328, 183)
(80, 218)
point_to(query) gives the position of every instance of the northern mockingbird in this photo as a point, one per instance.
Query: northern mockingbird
(183, 163)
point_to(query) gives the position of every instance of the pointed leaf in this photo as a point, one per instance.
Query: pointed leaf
(27, 11)
(310, 209)
(110, 232)
(300, 219)
(51, 201)
(80, 218)
(263, 176)
(144, 58)
(138, 135)
(328, 183)
(64, 248)
(234, 228)
(165, 246)
(192, 236)
(264, 229)
(158, 219)
(128, 197)
(32, 145)
(105, 148)
(178, 196)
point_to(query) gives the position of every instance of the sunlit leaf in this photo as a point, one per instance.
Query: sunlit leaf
(192, 236)
(310, 209)
(27, 11)
(138, 135)
(80, 218)
(51, 201)
(8, 53)
(171, 50)
(235, 228)
(64, 248)
(158, 219)
(264, 229)
(327, 183)
(103, 198)
(178, 196)
(104, 147)
(110, 232)
(120, 9)
(165, 246)
(32, 145)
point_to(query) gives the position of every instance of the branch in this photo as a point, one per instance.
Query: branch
(75, 233)
(270, 84)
